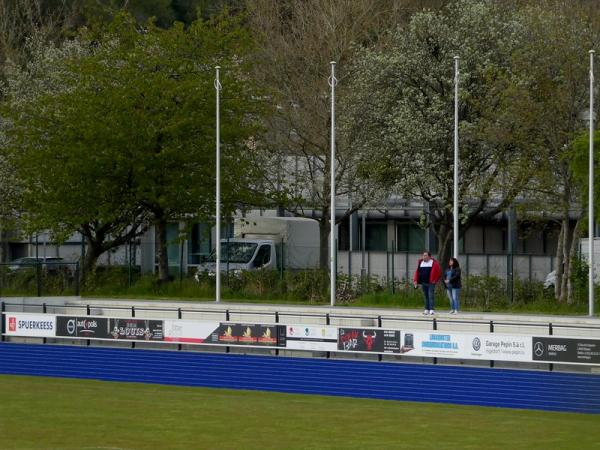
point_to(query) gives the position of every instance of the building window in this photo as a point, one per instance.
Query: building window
(411, 238)
(199, 243)
(173, 244)
(376, 237)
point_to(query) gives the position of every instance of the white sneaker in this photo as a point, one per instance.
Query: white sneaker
(455, 311)
(425, 312)
(431, 312)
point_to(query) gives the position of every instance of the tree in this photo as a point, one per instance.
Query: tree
(559, 36)
(163, 12)
(402, 113)
(297, 41)
(128, 138)
(19, 20)
(579, 164)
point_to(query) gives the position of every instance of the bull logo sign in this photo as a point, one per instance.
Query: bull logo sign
(369, 339)
(357, 340)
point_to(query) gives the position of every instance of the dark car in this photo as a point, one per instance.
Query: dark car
(47, 263)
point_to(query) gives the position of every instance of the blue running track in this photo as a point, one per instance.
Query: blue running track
(391, 381)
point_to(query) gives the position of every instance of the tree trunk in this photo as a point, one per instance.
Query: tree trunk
(161, 241)
(566, 261)
(444, 235)
(572, 252)
(92, 253)
(3, 255)
(559, 262)
(324, 241)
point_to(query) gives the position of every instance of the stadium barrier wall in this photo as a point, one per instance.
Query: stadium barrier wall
(327, 338)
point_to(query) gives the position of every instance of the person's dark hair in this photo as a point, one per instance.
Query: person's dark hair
(428, 253)
(455, 264)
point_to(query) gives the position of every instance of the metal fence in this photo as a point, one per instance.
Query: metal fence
(40, 278)
(390, 270)
(401, 265)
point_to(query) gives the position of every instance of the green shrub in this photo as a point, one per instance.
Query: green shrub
(528, 291)
(579, 278)
(483, 292)
(307, 285)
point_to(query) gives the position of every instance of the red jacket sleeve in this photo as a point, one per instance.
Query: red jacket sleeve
(416, 275)
(436, 272)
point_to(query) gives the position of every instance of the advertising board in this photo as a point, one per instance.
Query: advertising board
(431, 344)
(30, 325)
(369, 340)
(244, 334)
(188, 331)
(497, 347)
(566, 350)
(132, 329)
(486, 346)
(82, 327)
(311, 337)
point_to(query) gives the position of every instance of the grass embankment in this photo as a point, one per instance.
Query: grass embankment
(404, 297)
(50, 413)
(479, 293)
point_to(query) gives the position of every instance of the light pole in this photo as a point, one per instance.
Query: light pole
(218, 88)
(455, 233)
(332, 269)
(591, 191)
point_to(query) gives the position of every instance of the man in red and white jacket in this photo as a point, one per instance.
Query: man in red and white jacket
(428, 274)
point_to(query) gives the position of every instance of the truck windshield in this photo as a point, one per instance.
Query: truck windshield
(235, 252)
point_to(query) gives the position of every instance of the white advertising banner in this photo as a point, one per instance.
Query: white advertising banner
(188, 331)
(311, 337)
(487, 346)
(499, 347)
(30, 325)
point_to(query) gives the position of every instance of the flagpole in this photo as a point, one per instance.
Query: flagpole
(218, 88)
(455, 213)
(591, 191)
(332, 269)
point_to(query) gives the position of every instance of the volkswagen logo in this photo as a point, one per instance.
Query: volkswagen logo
(476, 344)
(538, 348)
(71, 326)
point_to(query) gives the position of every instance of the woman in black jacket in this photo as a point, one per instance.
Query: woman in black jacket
(453, 284)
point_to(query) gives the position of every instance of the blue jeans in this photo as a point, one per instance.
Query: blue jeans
(453, 295)
(428, 292)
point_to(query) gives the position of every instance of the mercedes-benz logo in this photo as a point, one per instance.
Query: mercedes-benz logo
(538, 348)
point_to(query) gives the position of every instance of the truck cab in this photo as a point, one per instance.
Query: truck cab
(243, 254)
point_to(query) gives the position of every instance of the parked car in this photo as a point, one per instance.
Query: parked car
(49, 263)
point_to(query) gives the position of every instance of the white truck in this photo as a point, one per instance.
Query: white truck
(268, 243)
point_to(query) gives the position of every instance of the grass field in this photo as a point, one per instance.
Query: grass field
(50, 413)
